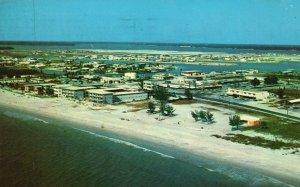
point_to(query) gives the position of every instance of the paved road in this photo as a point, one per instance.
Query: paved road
(219, 101)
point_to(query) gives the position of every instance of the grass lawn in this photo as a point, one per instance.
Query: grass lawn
(272, 125)
(278, 127)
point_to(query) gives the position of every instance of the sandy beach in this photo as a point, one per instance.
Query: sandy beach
(180, 132)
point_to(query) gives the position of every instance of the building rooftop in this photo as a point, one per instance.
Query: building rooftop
(98, 91)
(62, 86)
(75, 88)
(127, 93)
(295, 101)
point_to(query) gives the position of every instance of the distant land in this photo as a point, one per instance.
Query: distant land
(6, 48)
(228, 46)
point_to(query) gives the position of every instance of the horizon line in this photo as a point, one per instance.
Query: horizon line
(203, 45)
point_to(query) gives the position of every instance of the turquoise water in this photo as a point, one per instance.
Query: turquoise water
(37, 151)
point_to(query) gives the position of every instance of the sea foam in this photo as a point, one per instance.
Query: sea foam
(126, 143)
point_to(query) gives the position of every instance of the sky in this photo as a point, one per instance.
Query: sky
(162, 21)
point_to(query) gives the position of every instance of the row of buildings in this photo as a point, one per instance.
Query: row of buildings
(93, 94)
(129, 88)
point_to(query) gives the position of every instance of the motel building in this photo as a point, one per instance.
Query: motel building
(115, 95)
(75, 92)
(262, 95)
(58, 89)
(100, 96)
(37, 88)
(129, 96)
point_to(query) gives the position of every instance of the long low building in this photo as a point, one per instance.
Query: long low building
(58, 89)
(261, 95)
(76, 92)
(115, 95)
(129, 96)
(100, 96)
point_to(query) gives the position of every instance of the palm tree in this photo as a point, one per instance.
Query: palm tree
(235, 120)
(169, 110)
(209, 117)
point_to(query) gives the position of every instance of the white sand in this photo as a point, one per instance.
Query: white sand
(188, 135)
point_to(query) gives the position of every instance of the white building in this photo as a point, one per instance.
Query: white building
(75, 92)
(111, 80)
(131, 75)
(100, 96)
(58, 89)
(115, 95)
(258, 95)
(129, 96)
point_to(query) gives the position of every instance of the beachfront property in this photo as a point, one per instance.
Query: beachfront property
(57, 89)
(257, 95)
(39, 89)
(76, 92)
(129, 96)
(100, 96)
(115, 95)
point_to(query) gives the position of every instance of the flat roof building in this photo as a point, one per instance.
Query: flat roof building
(258, 95)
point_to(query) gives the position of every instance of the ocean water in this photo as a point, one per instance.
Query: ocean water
(35, 151)
(156, 46)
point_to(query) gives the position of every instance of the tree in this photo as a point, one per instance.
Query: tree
(235, 121)
(205, 116)
(151, 107)
(188, 93)
(161, 94)
(195, 115)
(169, 110)
(202, 115)
(271, 80)
(280, 93)
(162, 108)
(209, 117)
(255, 82)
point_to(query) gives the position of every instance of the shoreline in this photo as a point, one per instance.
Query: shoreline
(142, 127)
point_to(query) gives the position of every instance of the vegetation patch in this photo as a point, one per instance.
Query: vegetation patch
(258, 141)
(278, 127)
(271, 125)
